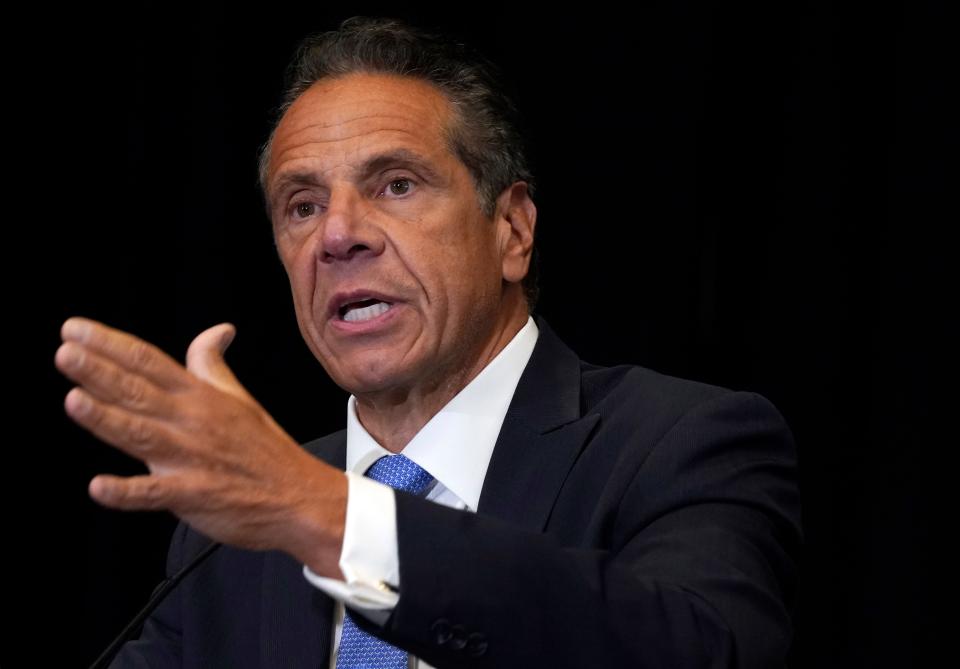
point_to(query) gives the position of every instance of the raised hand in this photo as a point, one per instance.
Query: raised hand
(216, 458)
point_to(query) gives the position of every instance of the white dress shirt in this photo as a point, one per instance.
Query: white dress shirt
(454, 446)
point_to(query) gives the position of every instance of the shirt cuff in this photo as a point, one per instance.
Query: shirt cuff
(370, 559)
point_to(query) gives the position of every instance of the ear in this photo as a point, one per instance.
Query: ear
(516, 218)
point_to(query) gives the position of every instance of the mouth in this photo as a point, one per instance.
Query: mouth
(358, 311)
(356, 307)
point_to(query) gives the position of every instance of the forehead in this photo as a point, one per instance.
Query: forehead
(343, 116)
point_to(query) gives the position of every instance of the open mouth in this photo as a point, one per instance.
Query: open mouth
(363, 310)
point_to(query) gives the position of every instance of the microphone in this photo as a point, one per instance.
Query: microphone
(159, 594)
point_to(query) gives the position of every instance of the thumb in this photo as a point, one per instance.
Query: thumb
(205, 359)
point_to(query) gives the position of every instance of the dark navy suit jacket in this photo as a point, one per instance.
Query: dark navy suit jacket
(627, 519)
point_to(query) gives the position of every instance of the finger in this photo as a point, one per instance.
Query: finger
(112, 383)
(205, 359)
(128, 351)
(146, 492)
(139, 436)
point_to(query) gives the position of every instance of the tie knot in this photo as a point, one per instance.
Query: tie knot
(401, 473)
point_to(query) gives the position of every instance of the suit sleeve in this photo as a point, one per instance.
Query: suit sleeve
(691, 564)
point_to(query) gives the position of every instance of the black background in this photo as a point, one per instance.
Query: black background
(753, 196)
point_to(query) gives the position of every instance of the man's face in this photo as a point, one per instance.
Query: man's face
(396, 273)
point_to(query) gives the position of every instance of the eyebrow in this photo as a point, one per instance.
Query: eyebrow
(374, 164)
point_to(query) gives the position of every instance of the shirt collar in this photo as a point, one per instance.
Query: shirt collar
(457, 443)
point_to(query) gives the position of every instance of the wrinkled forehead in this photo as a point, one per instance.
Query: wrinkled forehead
(353, 103)
(347, 110)
(347, 126)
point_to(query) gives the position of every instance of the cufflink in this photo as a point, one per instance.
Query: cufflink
(387, 587)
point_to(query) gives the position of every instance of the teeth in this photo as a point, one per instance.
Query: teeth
(355, 315)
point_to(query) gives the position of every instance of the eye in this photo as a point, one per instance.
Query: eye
(303, 209)
(400, 186)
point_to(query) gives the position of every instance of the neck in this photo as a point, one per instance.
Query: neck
(393, 417)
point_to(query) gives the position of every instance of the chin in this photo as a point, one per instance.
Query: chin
(369, 378)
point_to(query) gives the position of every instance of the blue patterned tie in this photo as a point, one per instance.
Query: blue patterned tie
(359, 650)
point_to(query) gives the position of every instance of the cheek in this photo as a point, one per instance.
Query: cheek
(473, 278)
(301, 275)
(300, 270)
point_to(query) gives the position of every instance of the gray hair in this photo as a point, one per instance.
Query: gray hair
(486, 134)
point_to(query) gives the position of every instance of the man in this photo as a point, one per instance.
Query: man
(559, 514)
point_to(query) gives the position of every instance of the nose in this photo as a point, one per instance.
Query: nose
(347, 230)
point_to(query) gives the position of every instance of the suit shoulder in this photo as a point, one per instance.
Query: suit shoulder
(634, 391)
(641, 385)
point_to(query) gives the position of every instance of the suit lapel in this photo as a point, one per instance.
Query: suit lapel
(542, 435)
(297, 618)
